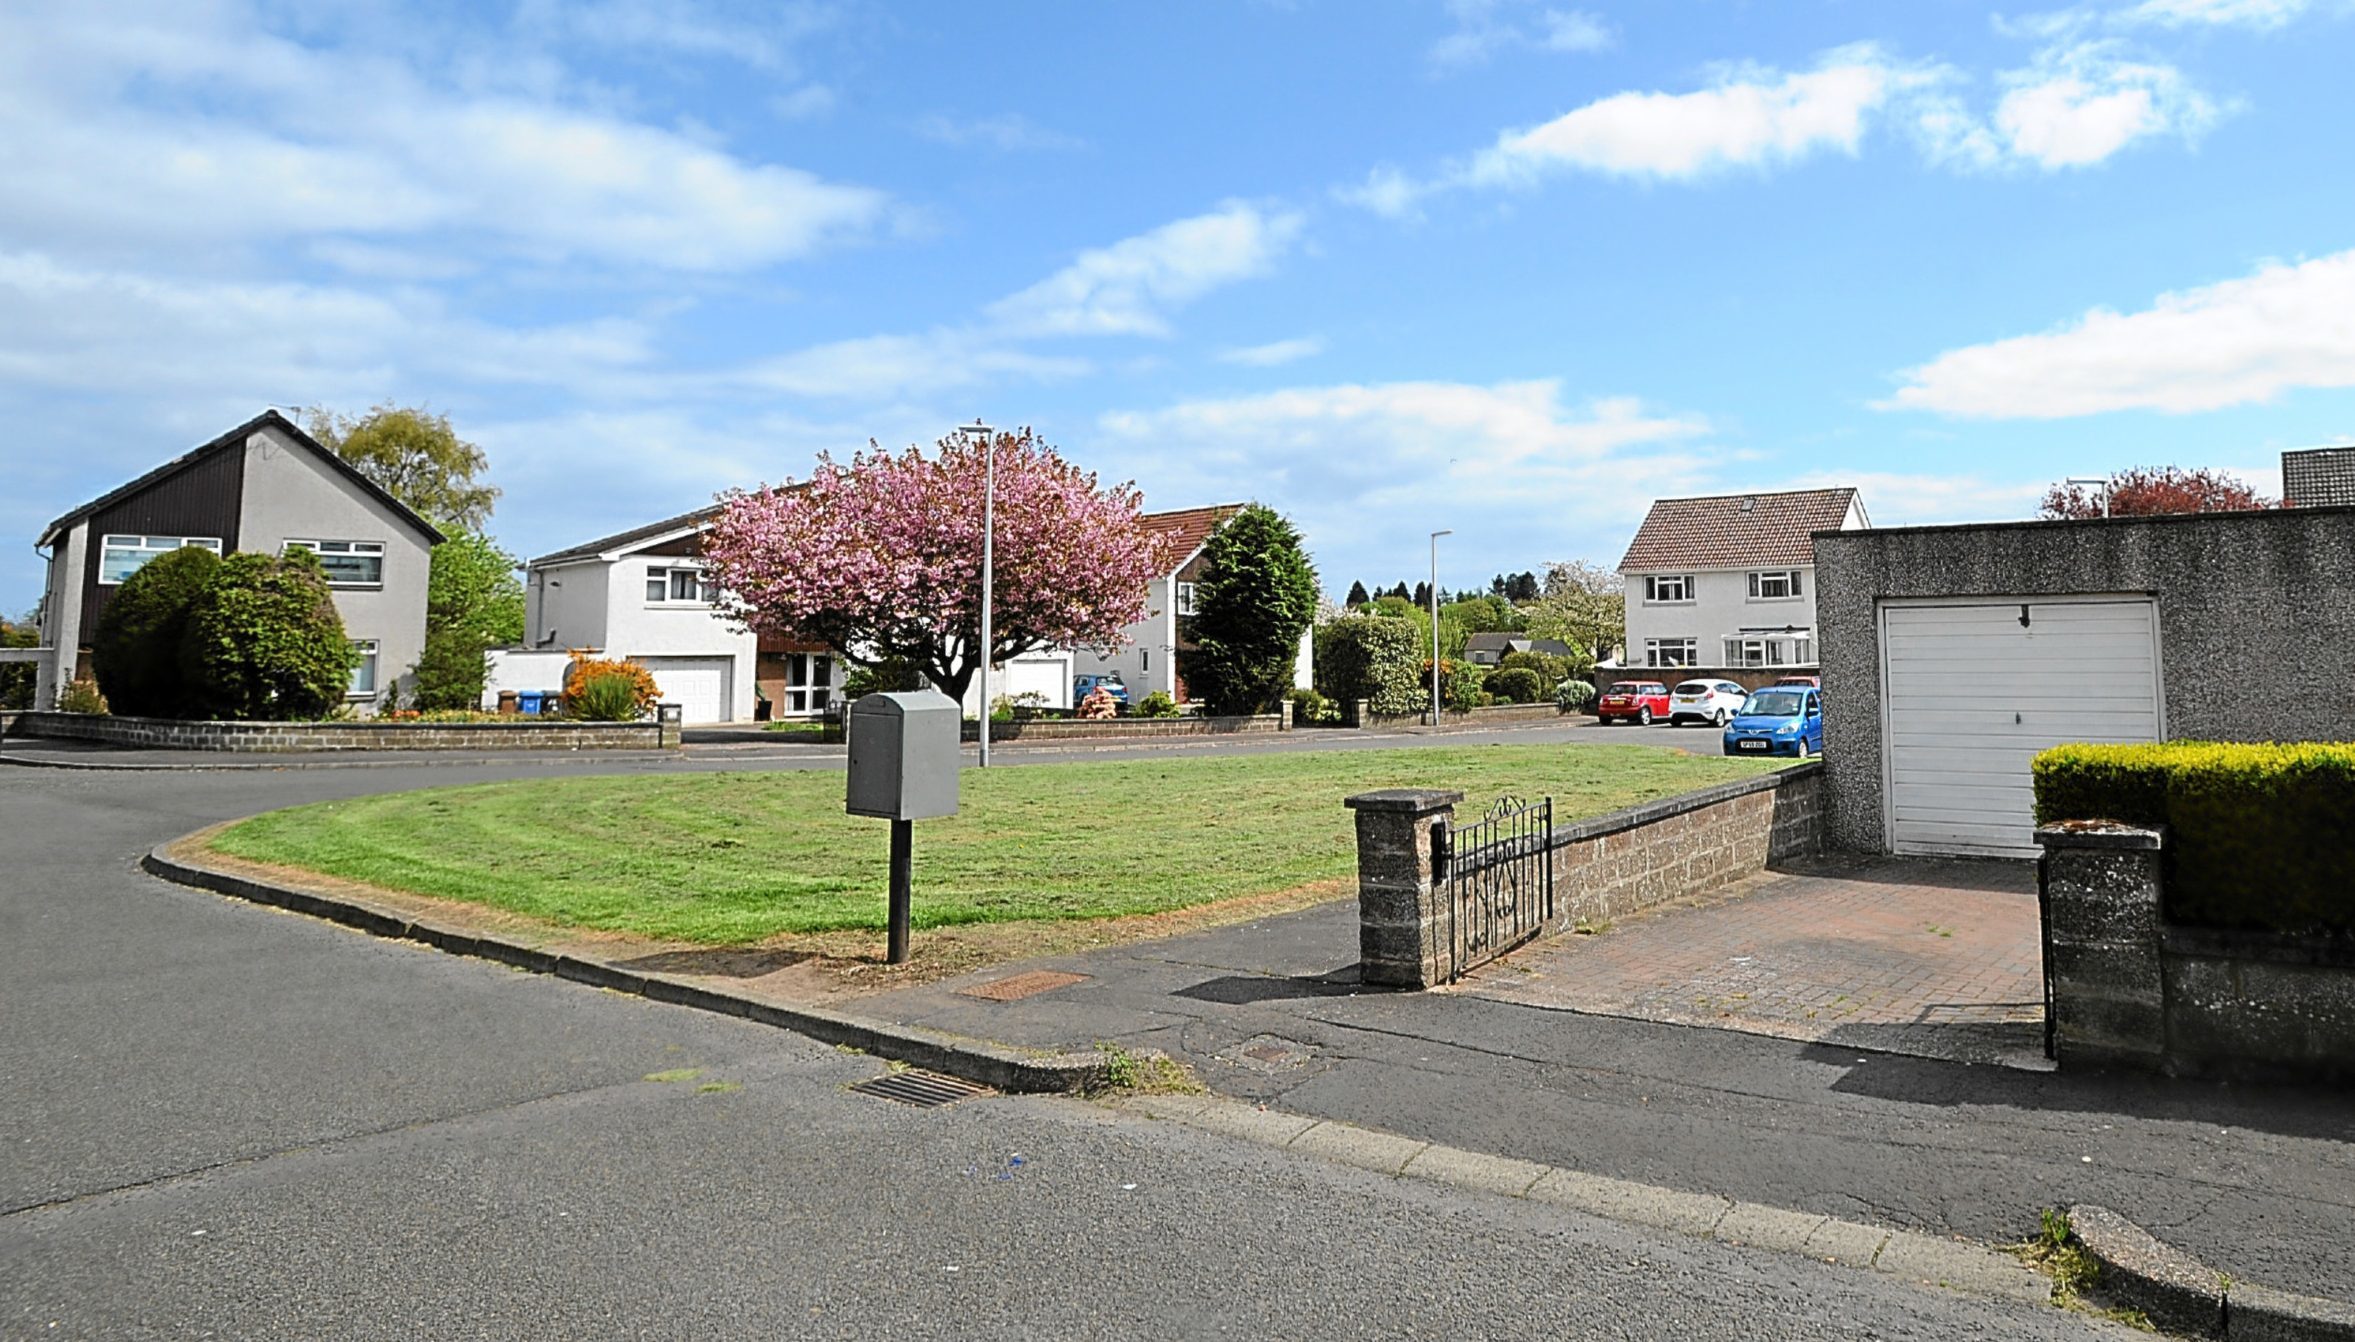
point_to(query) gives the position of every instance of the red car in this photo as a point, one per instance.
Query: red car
(1811, 682)
(1636, 701)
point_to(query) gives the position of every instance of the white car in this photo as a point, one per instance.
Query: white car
(1713, 701)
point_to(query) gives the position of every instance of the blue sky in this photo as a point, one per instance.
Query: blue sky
(1505, 266)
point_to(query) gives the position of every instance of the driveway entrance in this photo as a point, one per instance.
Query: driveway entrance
(1936, 957)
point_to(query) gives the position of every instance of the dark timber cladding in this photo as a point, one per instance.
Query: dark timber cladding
(200, 499)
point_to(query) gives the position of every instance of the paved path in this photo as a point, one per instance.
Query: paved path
(219, 1120)
(1941, 959)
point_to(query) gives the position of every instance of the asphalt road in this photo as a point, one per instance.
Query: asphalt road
(223, 1121)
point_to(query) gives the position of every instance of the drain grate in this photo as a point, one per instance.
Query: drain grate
(1019, 986)
(925, 1090)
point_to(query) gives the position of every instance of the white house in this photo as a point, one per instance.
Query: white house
(1728, 583)
(643, 595)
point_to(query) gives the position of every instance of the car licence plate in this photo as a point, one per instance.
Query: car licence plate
(1751, 744)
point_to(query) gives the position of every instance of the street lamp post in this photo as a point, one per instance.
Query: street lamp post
(2102, 480)
(1435, 623)
(989, 518)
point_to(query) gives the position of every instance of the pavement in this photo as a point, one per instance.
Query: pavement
(217, 1119)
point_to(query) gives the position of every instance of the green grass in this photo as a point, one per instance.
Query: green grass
(798, 727)
(734, 858)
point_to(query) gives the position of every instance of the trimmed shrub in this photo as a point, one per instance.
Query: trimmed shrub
(135, 651)
(1256, 595)
(17, 679)
(1575, 696)
(1551, 668)
(603, 690)
(1311, 709)
(1158, 704)
(1373, 658)
(2256, 833)
(1516, 685)
(81, 696)
(264, 642)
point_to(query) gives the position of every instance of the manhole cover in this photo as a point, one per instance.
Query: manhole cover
(1270, 1053)
(925, 1090)
(1020, 986)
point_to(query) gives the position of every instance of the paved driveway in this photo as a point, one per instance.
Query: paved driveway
(1941, 959)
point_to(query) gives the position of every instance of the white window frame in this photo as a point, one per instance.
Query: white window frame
(668, 574)
(1655, 582)
(1763, 650)
(1762, 580)
(367, 648)
(817, 687)
(151, 546)
(343, 549)
(1655, 647)
(1185, 598)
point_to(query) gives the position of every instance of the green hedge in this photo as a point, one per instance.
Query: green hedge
(1373, 658)
(2258, 835)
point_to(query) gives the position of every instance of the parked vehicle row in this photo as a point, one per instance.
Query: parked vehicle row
(1785, 718)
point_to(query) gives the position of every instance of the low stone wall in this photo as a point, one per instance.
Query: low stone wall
(1604, 868)
(310, 737)
(1470, 719)
(1125, 729)
(2130, 989)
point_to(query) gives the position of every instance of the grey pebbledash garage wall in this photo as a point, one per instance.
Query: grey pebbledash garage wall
(2256, 622)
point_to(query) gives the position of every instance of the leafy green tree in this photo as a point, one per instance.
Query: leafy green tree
(1373, 658)
(17, 678)
(1483, 615)
(1585, 606)
(264, 642)
(135, 650)
(417, 457)
(1255, 598)
(473, 603)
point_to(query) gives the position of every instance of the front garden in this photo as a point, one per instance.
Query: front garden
(742, 859)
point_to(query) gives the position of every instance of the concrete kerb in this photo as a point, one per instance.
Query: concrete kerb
(976, 1060)
(1922, 1259)
(2179, 1293)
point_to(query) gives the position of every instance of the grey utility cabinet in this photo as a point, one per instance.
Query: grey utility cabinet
(903, 755)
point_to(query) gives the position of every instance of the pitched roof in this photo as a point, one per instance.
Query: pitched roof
(1187, 529)
(2317, 477)
(1736, 530)
(236, 438)
(622, 540)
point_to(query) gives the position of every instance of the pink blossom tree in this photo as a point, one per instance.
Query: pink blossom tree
(881, 558)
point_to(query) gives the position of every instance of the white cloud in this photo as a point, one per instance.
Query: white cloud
(2080, 104)
(2232, 343)
(1010, 132)
(1900, 499)
(1751, 120)
(807, 103)
(1275, 352)
(1487, 27)
(2260, 14)
(1387, 192)
(182, 127)
(676, 27)
(899, 365)
(1127, 288)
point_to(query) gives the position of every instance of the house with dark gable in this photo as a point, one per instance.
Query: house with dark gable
(263, 486)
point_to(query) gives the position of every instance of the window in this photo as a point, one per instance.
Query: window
(363, 669)
(1796, 648)
(1185, 598)
(121, 556)
(676, 587)
(348, 563)
(1661, 589)
(809, 682)
(1778, 585)
(1672, 652)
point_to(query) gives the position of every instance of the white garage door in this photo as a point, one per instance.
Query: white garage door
(699, 685)
(1047, 675)
(1971, 693)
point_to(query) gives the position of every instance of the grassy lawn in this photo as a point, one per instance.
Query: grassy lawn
(732, 859)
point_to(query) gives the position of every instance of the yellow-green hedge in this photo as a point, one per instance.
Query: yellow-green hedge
(2258, 835)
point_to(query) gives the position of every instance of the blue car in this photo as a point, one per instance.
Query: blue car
(1110, 682)
(1782, 720)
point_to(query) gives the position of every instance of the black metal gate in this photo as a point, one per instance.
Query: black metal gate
(1498, 878)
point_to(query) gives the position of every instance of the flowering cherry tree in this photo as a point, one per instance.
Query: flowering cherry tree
(2148, 490)
(881, 558)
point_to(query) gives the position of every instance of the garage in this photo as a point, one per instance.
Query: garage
(1972, 689)
(1045, 674)
(702, 686)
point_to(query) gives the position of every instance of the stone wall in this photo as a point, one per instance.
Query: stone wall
(307, 737)
(1495, 715)
(2235, 592)
(1125, 729)
(2131, 990)
(1604, 868)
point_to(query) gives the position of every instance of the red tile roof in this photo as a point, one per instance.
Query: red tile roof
(1185, 530)
(1735, 530)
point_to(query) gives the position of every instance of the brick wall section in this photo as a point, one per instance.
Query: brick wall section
(1678, 847)
(314, 737)
(1495, 715)
(1124, 729)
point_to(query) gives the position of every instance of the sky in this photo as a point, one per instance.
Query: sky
(1506, 267)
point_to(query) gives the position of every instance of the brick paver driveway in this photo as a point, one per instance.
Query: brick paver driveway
(1940, 958)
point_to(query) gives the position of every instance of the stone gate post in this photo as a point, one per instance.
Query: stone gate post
(2100, 885)
(1398, 919)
